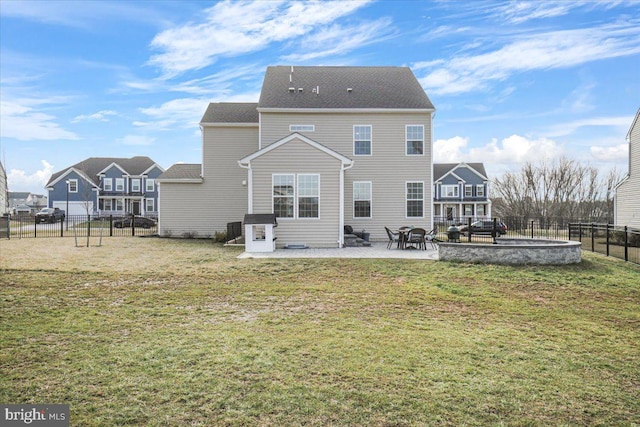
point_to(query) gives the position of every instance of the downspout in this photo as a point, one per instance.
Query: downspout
(341, 221)
(249, 185)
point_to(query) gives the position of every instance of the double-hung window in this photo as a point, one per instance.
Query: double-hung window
(308, 196)
(468, 191)
(362, 140)
(362, 199)
(73, 185)
(108, 184)
(449, 191)
(119, 184)
(149, 205)
(135, 185)
(150, 185)
(296, 196)
(415, 140)
(107, 204)
(415, 199)
(480, 190)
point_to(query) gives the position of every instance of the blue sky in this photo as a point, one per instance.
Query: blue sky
(511, 81)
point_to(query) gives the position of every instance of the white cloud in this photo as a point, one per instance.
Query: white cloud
(617, 153)
(556, 49)
(136, 140)
(19, 180)
(100, 116)
(563, 129)
(512, 150)
(517, 12)
(21, 120)
(177, 113)
(234, 28)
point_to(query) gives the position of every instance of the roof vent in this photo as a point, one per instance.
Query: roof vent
(349, 89)
(292, 89)
(300, 89)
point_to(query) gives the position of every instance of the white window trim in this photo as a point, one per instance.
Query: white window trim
(120, 180)
(443, 191)
(370, 141)
(115, 207)
(480, 190)
(302, 128)
(470, 188)
(110, 182)
(133, 181)
(75, 182)
(151, 188)
(146, 205)
(296, 196)
(104, 204)
(370, 199)
(273, 197)
(406, 141)
(407, 199)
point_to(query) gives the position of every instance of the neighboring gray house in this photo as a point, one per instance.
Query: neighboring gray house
(4, 191)
(627, 197)
(107, 185)
(324, 147)
(25, 203)
(460, 191)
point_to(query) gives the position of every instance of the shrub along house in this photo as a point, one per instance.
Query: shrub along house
(107, 186)
(461, 191)
(324, 147)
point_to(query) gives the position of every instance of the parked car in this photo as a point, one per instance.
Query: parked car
(484, 227)
(50, 215)
(139, 221)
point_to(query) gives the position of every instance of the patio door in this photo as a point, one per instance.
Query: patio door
(450, 212)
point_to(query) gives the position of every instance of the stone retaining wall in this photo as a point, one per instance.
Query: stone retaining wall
(514, 252)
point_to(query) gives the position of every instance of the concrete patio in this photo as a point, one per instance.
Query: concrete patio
(376, 250)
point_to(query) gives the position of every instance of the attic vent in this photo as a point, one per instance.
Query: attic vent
(292, 89)
(349, 89)
(300, 89)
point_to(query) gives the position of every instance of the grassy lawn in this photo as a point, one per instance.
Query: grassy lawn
(158, 332)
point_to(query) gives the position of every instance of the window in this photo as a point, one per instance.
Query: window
(415, 199)
(468, 191)
(135, 185)
(362, 140)
(308, 196)
(283, 195)
(362, 199)
(301, 201)
(108, 184)
(150, 185)
(72, 185)
(481, 210)
(149, 205)
(302, 128)
(480, 190)
(119, 205)
(449, 191)
(415, 140)
(119, 184)
(107, 204)
(468, 210)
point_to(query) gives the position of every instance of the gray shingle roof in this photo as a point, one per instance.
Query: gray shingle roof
(441, 169)
(182, 171)
(327, 87)
(94, 165)
(231, 112)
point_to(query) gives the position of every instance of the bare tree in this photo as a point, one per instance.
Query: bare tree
(560, 189)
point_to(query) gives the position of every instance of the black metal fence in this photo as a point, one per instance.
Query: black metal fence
(22, 227)
(607, 239)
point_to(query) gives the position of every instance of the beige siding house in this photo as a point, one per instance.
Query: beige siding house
(323, 148)
(627, 197)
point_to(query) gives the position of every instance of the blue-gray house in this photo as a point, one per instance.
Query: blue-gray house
(107, 185)
(461, 191)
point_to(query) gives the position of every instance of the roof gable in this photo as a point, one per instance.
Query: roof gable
(441, 170)
(295, 136)
(93, 166)
(287, 87)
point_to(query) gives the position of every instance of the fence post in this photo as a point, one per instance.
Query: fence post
(607, 238)
(593, 238)
(626, 243)
(35, 227)
(133, 225)
(469, 229)
(62, 227)
(110, 225)
(532, 229)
